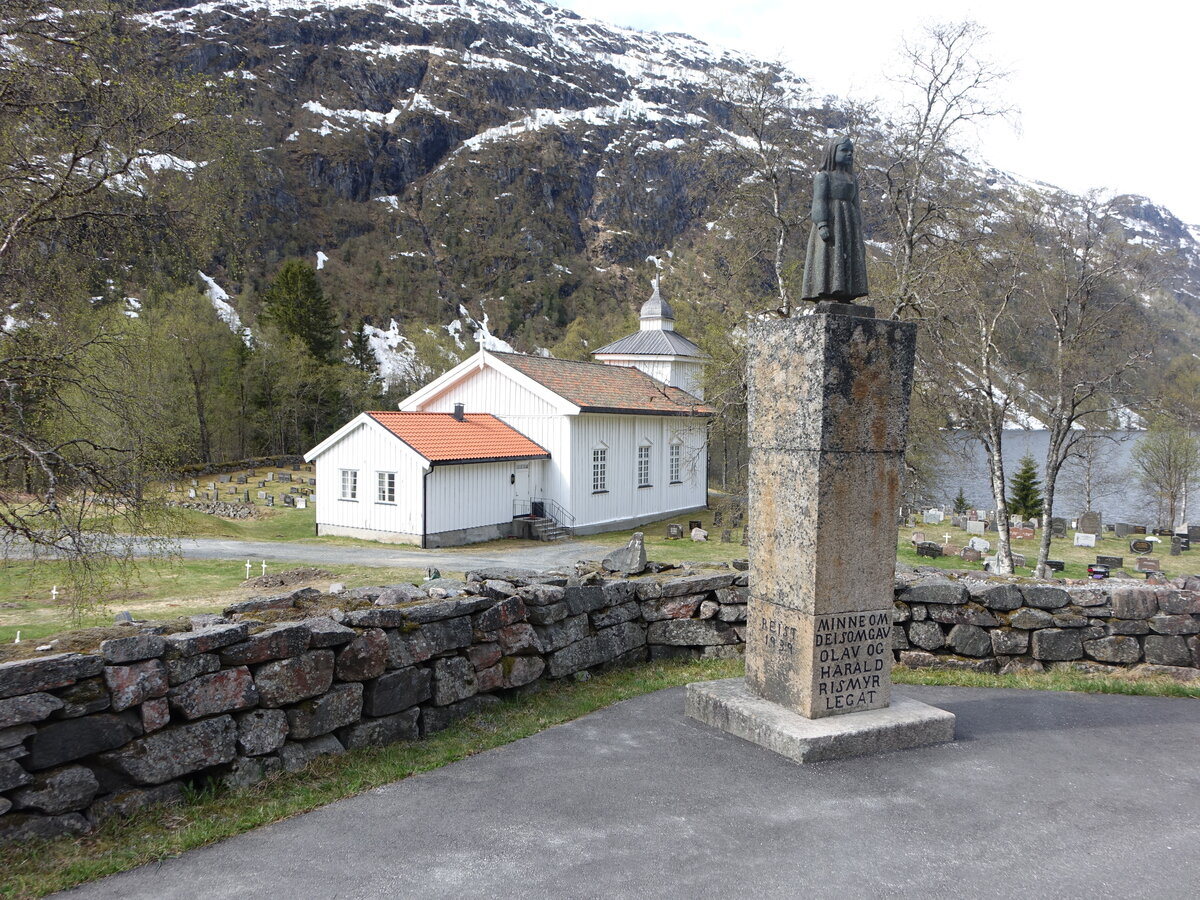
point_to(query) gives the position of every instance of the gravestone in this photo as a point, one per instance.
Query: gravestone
(252, 474)
(674, 532)
(958, 521)
(270, 499)
(285, 477)
(978, 543)
(1090, 522)
(1163, 532)
(934, 517)
(1113, 562)
(1147, 564)
(195, 483)
(312, 481)
(1176, 546)
(296, 468)
(224, 479)
(918, 536)
(301, 503)
(718, 517)
(973, 515)
(173, 489)
(828, 416)
(970, 554)
(289, 500)
(212, 485)
(270, 476)
(699, 534)
(1139, 529)
(1021, 533)
(1085, 539)
(192, 493)
(1018, 559)
(693, 524)
(1031, 524)
(1058, 527)
(975, 526)
(929, 548)
(1193, 533)
(1122, 530)
(245, 496)
(1140, 545)
(262, 495)
(241, 479)
(726, 535)
(1055, 565)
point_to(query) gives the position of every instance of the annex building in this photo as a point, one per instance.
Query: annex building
(593, 446)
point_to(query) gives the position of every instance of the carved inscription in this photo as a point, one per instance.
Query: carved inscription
(851, 652)
(776, 636)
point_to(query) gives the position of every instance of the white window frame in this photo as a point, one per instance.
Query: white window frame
(642, 467)
(675, 462)
(385, 485)
(348, 483)
(600, 469)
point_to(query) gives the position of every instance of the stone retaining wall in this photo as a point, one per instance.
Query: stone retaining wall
(1004, 627)
(88, 736)
(278, 681)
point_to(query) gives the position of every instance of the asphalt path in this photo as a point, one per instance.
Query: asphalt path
(1043, 794)
(544, 556)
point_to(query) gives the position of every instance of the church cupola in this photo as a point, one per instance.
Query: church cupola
(657, 349)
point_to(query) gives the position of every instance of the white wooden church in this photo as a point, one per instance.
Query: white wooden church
(504, 438)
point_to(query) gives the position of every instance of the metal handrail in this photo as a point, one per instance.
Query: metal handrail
(552, 509)
(561, 517)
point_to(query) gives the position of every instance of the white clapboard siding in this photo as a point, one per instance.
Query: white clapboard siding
(488, 391)
(469, 495)
(370, 449)
(623, 498)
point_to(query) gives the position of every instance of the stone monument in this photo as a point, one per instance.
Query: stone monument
(828, 422)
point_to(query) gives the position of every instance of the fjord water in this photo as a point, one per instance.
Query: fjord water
(1121, 498)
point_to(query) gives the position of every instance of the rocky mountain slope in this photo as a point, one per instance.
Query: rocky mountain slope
(505, 165)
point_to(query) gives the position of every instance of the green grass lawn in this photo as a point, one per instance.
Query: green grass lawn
(158, 589)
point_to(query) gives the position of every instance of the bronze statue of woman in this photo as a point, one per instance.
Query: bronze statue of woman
(836, 265)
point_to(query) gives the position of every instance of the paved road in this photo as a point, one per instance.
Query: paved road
(1042, 795)
(543, 556)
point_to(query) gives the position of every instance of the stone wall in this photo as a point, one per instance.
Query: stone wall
(278, 681)
(992, 626)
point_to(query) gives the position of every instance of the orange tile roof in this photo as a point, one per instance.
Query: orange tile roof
(441, 438)
(596, 387)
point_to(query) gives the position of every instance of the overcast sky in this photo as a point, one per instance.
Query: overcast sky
(1106, 92)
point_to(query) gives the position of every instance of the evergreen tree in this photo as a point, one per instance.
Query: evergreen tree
(1026, 497)
(961, 506)
(361, 354)
(297, 304)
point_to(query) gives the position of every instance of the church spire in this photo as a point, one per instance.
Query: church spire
(657, 314)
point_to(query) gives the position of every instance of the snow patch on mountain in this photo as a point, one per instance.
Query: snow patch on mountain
(395, 355)
(225, 311)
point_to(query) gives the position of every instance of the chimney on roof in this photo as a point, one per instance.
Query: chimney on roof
(458, 412)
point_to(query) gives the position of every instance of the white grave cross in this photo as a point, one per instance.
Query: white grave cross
(54, 593)
(247, 568)
(264, 567)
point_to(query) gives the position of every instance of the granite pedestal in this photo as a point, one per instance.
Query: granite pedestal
(828, 420)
